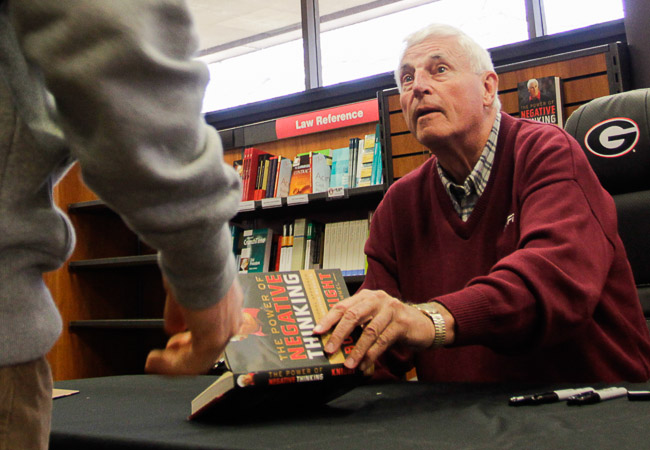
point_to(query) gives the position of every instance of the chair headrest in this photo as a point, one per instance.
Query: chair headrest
(614, 133)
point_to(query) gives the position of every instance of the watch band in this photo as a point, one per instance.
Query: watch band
(430, 310)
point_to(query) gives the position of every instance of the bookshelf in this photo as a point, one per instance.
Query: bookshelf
(110, 293)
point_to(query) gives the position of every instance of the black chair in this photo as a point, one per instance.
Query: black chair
(614, 132)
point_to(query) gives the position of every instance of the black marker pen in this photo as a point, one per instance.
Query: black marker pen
(638, 396)
(547, 397)
(596, 396)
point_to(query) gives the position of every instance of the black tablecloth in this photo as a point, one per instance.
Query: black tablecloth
(144, 412)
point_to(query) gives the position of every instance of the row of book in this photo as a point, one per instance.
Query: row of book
(267, 176)
(303, 244)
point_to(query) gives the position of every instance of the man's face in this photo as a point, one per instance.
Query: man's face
(533, 90)
(442, 98)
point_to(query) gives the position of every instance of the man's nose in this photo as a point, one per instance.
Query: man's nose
(421, 83)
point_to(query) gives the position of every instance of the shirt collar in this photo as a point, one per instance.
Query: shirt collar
(478, 177)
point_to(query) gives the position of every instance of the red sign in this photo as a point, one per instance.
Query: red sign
(327, 119)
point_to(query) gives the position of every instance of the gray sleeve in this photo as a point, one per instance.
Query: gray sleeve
(129, 95)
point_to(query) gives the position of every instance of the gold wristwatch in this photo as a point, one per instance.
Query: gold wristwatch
(431, 311)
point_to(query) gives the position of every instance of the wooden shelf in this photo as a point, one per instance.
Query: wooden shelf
(118, 324)
(88, 206)
(113, 263)
(321, 197)
(147, 260)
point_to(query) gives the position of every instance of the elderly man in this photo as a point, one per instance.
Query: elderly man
(499, 258)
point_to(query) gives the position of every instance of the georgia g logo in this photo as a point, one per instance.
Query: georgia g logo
(612, 138)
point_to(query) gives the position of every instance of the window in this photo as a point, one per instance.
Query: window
(254, 49)
(366, 48)
(563, 15)
(267, 73)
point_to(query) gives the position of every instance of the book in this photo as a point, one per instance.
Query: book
(257, 245)
(286, 249)
(270, 186)
(352, 169)
(276, 361)
(279, 239)
(340, 167)
(541, 99)
(366, 161)
(314, 245)
(60, 393)
(298, 251)
(377, 161)
(263, 177)
(301, 175)
(320, 172)
(362, 230)
(283, 178)
(249, 173)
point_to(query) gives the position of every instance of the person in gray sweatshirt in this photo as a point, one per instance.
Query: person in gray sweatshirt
(114, 86)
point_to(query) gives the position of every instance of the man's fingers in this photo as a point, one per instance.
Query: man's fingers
(177, 360)
(179, 340)
(360, 313)
(374, 334)
(333, 315)
(387, 338)
(156, 363)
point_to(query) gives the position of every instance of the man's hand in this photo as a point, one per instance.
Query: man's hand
(198, 336)
(385, 321)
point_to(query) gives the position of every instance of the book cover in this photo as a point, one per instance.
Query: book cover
(377, 161)
(276, 360)
(340, 167)
(356, 154)
(287, 246)
(301, 175)
(367, 158)
(270, 185)
(264, 173)
(257, 246)
(358, 161)
(540, 99)
(320, 172)
(283, 178)
(314, 245)
(354, 147)
(299, 237)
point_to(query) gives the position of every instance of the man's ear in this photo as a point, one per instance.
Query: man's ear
(490, 87)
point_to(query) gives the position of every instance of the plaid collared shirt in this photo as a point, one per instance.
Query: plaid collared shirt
(465, 196)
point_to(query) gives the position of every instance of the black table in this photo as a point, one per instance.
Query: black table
(145, 412)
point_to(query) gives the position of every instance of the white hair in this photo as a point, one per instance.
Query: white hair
(531, 82)
(479, 58)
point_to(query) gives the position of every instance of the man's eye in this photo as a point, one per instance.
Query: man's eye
(441, 69)
(407, 78)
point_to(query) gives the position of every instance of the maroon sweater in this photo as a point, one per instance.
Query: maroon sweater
(537, 279)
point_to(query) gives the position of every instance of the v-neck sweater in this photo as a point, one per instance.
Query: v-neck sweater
(537, 278)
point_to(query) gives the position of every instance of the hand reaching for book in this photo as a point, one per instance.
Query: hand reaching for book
(198, 336)
(385, 321)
